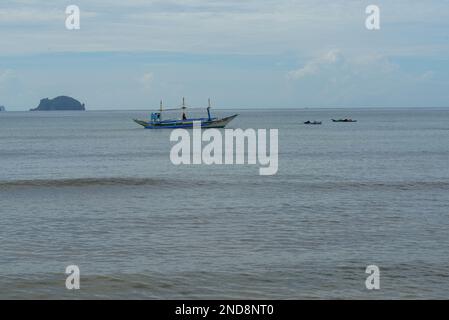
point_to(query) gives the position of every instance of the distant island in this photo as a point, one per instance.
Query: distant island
(61, 103)
(2, 108)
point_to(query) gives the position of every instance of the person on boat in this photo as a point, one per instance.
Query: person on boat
(184, 117)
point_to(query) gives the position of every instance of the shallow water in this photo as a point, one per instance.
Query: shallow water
(95, 190)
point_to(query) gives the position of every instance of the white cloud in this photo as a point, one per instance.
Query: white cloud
(225, 26)
(6, 76)
(338, 79)
(147, 80)
(29, 16)
(24, 16)
(314, 66)
(334, 63)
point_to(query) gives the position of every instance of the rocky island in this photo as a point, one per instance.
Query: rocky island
(2, 108)
(61, 103)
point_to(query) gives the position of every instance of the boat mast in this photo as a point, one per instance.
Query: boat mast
(183, 107)
(160, 111)
(208, 110)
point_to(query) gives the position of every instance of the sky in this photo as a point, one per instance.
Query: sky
(240, 53)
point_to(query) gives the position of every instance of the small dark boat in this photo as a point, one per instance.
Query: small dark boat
(343, 120)
(313, 122)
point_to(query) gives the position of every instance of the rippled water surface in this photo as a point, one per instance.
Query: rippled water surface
(95, 190)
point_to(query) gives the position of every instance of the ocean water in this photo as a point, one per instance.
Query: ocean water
(95, 190)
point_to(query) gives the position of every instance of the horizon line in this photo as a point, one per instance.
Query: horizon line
(96, 109)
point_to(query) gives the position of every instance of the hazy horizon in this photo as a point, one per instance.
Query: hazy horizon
(222, 108)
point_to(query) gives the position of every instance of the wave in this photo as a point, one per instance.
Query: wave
(374, 185)
(286, 182)
(85, 182)
(318, 281)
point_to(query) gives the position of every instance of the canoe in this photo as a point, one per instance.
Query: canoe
(344, 120)
(313, 122)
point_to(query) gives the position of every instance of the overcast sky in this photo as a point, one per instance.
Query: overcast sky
(241, 53)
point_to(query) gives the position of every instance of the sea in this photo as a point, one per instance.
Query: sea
(95, 190)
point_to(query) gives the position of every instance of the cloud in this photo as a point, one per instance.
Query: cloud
(225, 26)
(219, 43)
(316, 65)
(6, 76)
(334, 64)
(26, 16)
(427, 75)
(41, 15)
(147, 80)
(10, 86)
(337, 79)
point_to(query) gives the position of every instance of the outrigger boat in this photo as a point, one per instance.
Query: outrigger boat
(343, 120)
(313, 122)
(156, 121)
